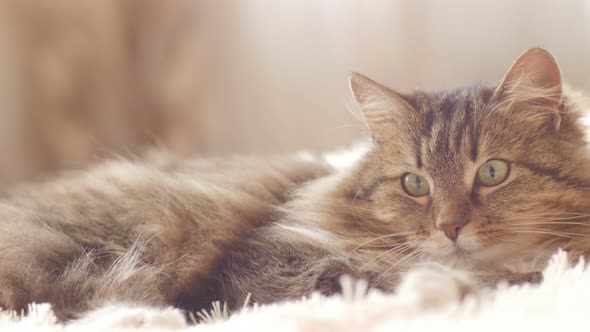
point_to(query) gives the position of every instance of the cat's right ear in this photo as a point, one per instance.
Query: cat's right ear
(381, 107)
(532, 88)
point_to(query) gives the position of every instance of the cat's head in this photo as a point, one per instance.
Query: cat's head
(481, 172)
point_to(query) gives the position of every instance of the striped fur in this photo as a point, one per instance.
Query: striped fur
(185, 233)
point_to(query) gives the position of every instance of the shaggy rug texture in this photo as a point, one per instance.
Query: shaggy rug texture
(430, 298)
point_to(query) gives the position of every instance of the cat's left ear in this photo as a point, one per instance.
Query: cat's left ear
(382, 108)
(532, 87)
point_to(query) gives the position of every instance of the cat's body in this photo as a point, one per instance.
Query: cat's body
(150, 232)
(484, 179)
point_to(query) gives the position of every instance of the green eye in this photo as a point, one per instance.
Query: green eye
(415, 185)
(493, 172)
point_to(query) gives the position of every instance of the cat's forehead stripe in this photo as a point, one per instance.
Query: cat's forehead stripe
(461, 129)
(428, 123)
(450, 123)
(419, 157)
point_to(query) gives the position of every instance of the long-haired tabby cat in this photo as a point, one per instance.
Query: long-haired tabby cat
(483, 178)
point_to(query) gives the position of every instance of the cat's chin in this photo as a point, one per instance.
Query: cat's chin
(469, 254)
(447, 252)
(441, 247)
(463, 252)
(456, 253)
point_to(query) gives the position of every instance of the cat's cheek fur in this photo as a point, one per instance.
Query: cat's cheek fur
(392, 206)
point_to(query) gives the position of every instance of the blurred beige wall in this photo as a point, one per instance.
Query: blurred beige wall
(85, 78)
(290, 59)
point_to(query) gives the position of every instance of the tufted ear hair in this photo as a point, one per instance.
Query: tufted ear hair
(532, 88)
(381, 107)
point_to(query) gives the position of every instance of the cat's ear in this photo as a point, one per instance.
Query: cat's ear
(381, 107)
(533, 86)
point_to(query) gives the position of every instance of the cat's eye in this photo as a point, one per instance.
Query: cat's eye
(493, 172)
(415, 185)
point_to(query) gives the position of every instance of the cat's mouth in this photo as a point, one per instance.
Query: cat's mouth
(449, 250)
(458, 251)
(469, 252)
(466, 249)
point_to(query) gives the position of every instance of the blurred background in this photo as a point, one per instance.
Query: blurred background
(84, 79)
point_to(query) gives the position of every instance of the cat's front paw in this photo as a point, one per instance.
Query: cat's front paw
(513, 278)
(433, 285)
(328, 281)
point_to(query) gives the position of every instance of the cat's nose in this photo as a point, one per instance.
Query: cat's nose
(452, 230)
(451, 219)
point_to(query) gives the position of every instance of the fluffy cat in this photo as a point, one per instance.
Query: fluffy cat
(487, 179)
(482, 178)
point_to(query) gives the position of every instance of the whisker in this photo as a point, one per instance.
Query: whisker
(414, 253)
(542, 231)
(565, 223)
(545, 219)
(534, 216)
(411, 254)
(398, 249)
(524, 227)
(386, 245)
(507, 240)
(392, 235)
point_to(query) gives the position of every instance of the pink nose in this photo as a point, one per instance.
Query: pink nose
(452, 230)
(451, 218)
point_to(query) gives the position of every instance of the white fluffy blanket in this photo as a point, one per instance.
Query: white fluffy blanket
(429, 299)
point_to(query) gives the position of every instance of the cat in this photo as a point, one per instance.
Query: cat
(492, 180)
(486, 179)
